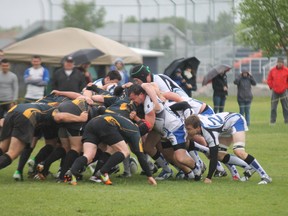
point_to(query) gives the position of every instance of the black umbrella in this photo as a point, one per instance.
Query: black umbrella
(84, 55)
(182, 63)
(219, 69)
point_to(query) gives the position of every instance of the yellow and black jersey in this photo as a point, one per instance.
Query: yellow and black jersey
(52, 99)
(37, 113)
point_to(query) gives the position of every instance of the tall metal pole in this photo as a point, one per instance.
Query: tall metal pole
(158, 18)
(186, 31)
(139, 24)
(193, 21)
(51, 13)
(175, 24)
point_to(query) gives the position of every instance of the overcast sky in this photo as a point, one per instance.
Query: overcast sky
(25, 12)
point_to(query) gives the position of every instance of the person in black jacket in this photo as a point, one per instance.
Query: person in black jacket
(190, 77)
(68, 78)
(244, 95)
(220, 87)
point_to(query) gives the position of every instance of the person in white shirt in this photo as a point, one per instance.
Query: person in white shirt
(36, 78)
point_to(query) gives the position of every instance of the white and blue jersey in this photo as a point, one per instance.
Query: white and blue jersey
(224, 123)
(169, 125)
(166, 84)
(110, 88)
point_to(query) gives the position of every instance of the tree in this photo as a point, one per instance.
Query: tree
(266, 25)
(82, 15)
(131, 19)
(158, 43)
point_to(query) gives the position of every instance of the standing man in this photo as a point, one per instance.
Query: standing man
(8, 88)
(220, 87)
(119, 66)
(68, 78)
(244, 84)
(36, 78)
(278, 83)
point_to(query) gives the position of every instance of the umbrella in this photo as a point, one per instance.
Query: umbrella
(182, 63)
(82, 56)
(219, 69)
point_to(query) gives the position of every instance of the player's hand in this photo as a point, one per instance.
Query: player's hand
(207, 181)
(151, 181)
(84, 116)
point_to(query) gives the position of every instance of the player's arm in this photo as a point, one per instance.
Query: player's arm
(69, 94)
(60, 117)
(149, 89)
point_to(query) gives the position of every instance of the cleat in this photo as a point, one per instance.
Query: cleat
(31, 166)
(164, 175)
(73, 180)
(18, 176)
(189, 176)
(39, 176)
(95, 179)
(220, 173)
(124, 175)
(265, 180)
(104, 178)
(235, 178)
(68, 176)
(198, 177)
(248, 173)
(153, 170)
(203, 168)
(40, 167)
(180, 175)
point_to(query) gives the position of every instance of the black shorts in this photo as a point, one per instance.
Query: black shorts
(17, 125)
(99, 131)
(68, 132)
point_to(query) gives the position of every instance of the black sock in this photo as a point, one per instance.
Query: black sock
(5, 161)
(78, 165)
(143, 163)
(226, 159)
(114, 159)
(71, 156)
(249, 159)
(156, 156)
(103, 158)
(43, 153)
(24, 158)
(1, 152)
(54, 156)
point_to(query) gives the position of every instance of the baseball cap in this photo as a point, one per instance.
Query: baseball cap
(69, 59)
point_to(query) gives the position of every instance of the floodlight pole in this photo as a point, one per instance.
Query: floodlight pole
(175, 23)
(139, 24)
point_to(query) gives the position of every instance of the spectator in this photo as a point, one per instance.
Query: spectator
(244, 95)
(8, 88)
(84, 68)
(190, 78)
(1, 54)
(119, 66)
(178, 78)
(278, 82)
(36, 78)
(68, 78)
(220, 87)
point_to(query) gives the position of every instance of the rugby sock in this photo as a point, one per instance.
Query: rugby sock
(126, 165)
(24, 158)
(54, 156)
(201, 148)
(143, 163)
(5, 161)
(69, 160)
(233, 170)
(196, 158)
(114, 159)
(78, 165)
(255, 165)
(103, 158)
(219, 167)
(43, 153)
(1, 152)
(160, 160)
(234, 160)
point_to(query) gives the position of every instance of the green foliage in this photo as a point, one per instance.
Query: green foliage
(265, 25)
(82, 15)
(157, 43)
(133, 196)
(131, 19)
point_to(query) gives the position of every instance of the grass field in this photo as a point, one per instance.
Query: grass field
(134, 196)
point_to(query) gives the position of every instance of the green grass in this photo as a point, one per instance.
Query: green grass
(134, 196)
